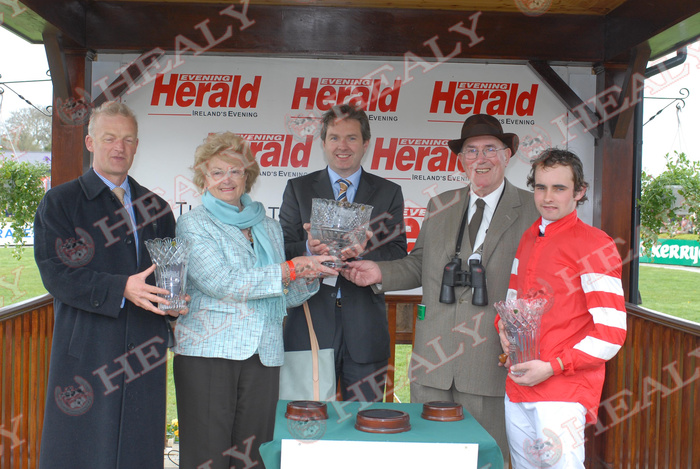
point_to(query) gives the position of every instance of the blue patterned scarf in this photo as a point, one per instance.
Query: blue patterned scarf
(251, 216)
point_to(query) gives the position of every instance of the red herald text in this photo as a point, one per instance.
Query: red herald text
(412, 217)
(280, 150)
(184, 90)
(414, 154)
(324, 93)
(489, 98)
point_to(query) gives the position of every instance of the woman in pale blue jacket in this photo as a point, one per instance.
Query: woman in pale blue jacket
(229, 347)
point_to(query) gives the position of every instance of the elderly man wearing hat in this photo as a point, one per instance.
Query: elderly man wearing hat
(456, 348)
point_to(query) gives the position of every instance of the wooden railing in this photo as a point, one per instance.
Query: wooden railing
(651, 399)
(25, 342)
(647, 417)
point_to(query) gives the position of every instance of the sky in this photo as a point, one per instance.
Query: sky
(670, 131)
(19, 61)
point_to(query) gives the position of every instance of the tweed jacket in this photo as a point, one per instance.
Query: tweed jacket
(236, 309)
(457, 342)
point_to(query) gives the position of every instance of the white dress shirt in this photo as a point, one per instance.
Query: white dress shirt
(490, 204)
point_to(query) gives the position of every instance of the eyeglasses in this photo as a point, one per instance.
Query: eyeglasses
(218, 174)
(488, 152)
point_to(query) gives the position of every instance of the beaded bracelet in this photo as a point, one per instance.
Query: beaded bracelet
(292, 271)
(285, 278)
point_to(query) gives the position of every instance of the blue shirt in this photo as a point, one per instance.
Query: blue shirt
(354, 182)
(127, 204)
(129, 208)
(350, 192)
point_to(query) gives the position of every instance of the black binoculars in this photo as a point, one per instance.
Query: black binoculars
(453, 276)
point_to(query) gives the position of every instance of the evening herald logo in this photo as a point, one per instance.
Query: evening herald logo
(496, 99)
(211, 90)
(414, 154)
(324, 93)
(280, 150)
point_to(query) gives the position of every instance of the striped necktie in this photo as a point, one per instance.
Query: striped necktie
(342, 195)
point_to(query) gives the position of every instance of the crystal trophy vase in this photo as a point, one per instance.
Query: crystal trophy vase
(170, 257)
(522, 318)
(339, 224)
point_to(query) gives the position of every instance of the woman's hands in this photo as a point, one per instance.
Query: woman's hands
(317, 248)
(311, 267)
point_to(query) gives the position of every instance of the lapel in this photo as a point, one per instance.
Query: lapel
(506, 214)
(93, 187)
(321, 187)
(450, 221)
(145, 230)
(91, 184)
(365, 190)
(137, 192)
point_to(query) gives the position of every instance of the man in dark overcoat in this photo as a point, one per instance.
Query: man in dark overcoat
(105, 403)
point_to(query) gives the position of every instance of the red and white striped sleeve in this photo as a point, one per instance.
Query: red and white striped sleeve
(512, 292)
(605, 301)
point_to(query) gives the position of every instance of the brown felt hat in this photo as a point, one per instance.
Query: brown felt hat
(483, 124)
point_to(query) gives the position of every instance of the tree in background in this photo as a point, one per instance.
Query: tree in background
(659, 208)
(21, 190)
(27, 130)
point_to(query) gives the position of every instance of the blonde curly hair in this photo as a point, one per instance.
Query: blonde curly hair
(224, 145)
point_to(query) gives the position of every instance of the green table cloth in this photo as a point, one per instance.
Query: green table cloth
(341, 426)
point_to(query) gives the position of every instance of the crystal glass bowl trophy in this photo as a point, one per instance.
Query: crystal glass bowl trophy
(170, 257)
(522, 318)
(339, 224)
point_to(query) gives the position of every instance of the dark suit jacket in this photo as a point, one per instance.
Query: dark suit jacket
(458, 342)
(105, 408)
(365, 327)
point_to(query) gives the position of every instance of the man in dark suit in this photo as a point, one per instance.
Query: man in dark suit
(106, 390)
(456, 348)
(350, 319)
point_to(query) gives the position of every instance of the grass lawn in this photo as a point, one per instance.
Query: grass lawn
(402, 358)
(19, 280)
(669, 291)
(171, 409)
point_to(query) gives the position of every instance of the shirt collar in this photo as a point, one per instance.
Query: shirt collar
(553, 227)
(124, 185)
(353, 178)
(490, 200)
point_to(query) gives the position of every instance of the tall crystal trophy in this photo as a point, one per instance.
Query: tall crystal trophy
(339, 224)
(170, 257)
(522, 318)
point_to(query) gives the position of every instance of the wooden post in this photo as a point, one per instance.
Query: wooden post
(69, 157)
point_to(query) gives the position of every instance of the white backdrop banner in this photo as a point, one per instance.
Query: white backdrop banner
(276, 103)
